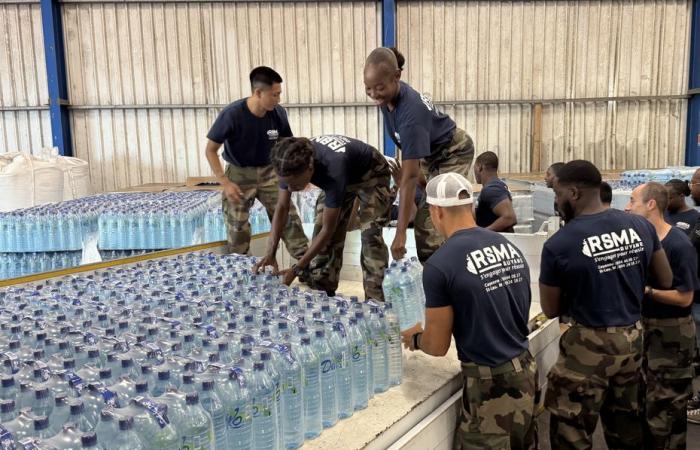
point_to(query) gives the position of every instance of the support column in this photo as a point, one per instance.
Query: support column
(389, 40)
(56, 76)
(692, 145)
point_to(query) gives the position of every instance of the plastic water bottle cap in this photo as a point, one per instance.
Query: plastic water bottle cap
(192, 398)
(89, 439)
(208, 385)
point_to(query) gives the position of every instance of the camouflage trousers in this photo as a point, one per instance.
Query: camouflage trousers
(498, 406)
(375, 203)
(456, 157)
(668, 378)
(597, 375)
(260, 183)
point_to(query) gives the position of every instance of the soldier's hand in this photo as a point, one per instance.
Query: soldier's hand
(232, 191)
(267, 260)
(287, 276)
(407, 335)
(398, 247)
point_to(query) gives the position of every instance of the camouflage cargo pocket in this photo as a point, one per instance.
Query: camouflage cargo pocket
(480, 441)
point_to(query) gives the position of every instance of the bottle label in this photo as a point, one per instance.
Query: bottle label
(109, 397)
(14, 361)
(282, 349)
(158, 411)
(154, 352)
(6, 440)
(327, 366)
(340, 327)
(75, 382)
(237, 417)
(45, 371)
(90, 338)
(211, 331)
(239, 375)
(29, 443)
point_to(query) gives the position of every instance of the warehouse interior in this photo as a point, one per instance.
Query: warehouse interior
(121, 239)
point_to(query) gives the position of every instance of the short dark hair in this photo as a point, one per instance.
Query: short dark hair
(605, 193)
(679, 186)
(263, 76)
(581, 173)
(555, 168)
(388, 57)
(656, 191)
(488, 159)
(291, 156)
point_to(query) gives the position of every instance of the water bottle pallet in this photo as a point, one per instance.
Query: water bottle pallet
(21, 264)
(192, 351)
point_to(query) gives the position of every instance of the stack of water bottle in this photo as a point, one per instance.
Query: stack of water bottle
(154, 220)
(48, 228)
(21, 264)
(215, 228)
(189, 352)
(403, 288)
(305, 202)
(630, 179)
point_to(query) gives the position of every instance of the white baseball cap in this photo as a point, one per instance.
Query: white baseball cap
(444, 190)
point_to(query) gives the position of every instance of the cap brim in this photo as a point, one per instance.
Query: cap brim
(448, 202)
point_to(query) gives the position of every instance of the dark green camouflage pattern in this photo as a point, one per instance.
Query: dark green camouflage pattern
(260, 183)
(668, 380)
(597, 375)
(498, 408)
(457, 157)
(374, 197)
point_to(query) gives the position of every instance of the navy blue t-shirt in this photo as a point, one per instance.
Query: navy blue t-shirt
(600, 262)
(684, 264)
(492, 193)
(683, 220)
(247, 138)
(486, 280)
(339, 161)
(416, 125)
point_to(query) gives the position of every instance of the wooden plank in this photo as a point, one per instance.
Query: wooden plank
(536, 154)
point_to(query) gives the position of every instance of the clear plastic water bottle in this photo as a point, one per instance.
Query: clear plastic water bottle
(343, 371)
(264, 413)
(235, 395)
(60, 414)
(126, 438)
(311, 368)
(329, 408)
(359, 365)
(43, 402)
(163, 383)
(153, 425)
(380, 361)
(8, 410)
(197, 429)
(77, 416)
(395, 356)
(365, 330)
(212, 404)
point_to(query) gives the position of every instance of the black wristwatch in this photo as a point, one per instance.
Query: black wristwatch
(415, 341)
(296, 270)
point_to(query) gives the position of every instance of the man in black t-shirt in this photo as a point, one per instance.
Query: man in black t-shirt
(248, 128)
(669, 330)
(345, 169)
(477, 288)
(495, 206)
(599, 263)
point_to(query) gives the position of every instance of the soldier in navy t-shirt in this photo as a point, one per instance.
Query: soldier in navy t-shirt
(599, 263)
(427, 137)
(495, 208)
(345, 169)
(477, 288)
(678, 213)
(669, 330)
(248, 128)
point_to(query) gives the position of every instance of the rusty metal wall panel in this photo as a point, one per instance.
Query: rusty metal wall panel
(544, 50)
(24, 126)
(199, 54)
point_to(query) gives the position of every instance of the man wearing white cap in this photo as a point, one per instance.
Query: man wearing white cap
(477, 288)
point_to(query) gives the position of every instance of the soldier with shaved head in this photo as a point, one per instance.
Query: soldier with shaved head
(669, 330)
(429, 140)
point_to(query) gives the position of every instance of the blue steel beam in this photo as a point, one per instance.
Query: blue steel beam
(692, 149)
(389, 40)
(56, 76)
